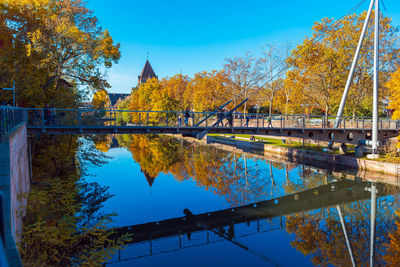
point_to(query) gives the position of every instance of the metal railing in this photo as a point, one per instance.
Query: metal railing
(10, 117)
(47, 118)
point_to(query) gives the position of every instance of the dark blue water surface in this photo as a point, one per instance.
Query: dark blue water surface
(204, 179)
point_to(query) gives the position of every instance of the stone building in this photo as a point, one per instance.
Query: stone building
(147, 73)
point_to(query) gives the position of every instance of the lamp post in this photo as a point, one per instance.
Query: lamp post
(11, 89)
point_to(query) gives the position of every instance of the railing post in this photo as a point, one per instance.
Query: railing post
(80, 120)
(140, 118)
(257, 120)
(42, 118)
(284, 121)
(344, 123)
(363, 124)
(281, 123)
(304, 122)
(167, 118)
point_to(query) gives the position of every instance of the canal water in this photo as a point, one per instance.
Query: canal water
(299, 215)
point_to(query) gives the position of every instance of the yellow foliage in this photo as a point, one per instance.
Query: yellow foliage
(101, 100)
(393, 255)
(207, 91)
(102, 143)
(394, 88)
(318, 74)
(54, 40)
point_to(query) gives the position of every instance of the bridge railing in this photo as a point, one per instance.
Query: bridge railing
(10, 117)
(45, 118)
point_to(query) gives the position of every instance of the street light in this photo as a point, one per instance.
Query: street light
(11, 89)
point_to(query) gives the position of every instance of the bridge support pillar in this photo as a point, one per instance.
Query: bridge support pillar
(359, 151)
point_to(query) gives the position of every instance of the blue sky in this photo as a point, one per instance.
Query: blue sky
(191, 36)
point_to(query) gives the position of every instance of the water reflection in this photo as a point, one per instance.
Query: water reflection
(327, 213)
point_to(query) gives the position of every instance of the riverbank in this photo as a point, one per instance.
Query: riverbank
(369, 169)
(299, 156)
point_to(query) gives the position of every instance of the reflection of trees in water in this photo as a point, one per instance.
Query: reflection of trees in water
(240, 178)
(63, 224)
(307, 178)
(320, 233)
(392, 256)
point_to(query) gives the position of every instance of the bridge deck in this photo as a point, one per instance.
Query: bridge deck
(85, 121)
(340, 135)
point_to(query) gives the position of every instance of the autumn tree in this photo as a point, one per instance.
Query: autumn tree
(271, 69)
(394, 90)
(54, 41)
(175, 88)
(320, 64)
(243, 77)
(124, 117)
(101, 100)
(207, 90)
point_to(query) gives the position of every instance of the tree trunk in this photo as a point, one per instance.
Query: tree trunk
(270, 106)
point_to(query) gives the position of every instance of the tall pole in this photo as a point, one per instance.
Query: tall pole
(352, 69)
(353, 66)
(375, 153)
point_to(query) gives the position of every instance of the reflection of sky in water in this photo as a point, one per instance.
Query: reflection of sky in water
(135, 202)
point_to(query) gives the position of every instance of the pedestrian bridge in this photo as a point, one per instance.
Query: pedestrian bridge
(88, 121)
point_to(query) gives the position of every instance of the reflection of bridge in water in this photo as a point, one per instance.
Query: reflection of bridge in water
(244, 220)
(81, 121)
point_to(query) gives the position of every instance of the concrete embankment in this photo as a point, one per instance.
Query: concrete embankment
(14, 185)
(302, 156)
(369, 169)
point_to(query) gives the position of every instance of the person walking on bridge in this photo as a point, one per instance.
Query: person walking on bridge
(187, 116)
(269, 119)
(179, 120)
(230, 120)
(220, 115)
(247, 121)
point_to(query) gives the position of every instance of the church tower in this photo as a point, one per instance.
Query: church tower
(147, 73)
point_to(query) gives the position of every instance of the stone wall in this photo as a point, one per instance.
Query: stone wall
(15, 185)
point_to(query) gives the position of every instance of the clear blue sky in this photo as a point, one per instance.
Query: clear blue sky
(189, 36)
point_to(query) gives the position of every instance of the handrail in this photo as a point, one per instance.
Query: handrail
(43, 118)
(10, 117)
(201, 112)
